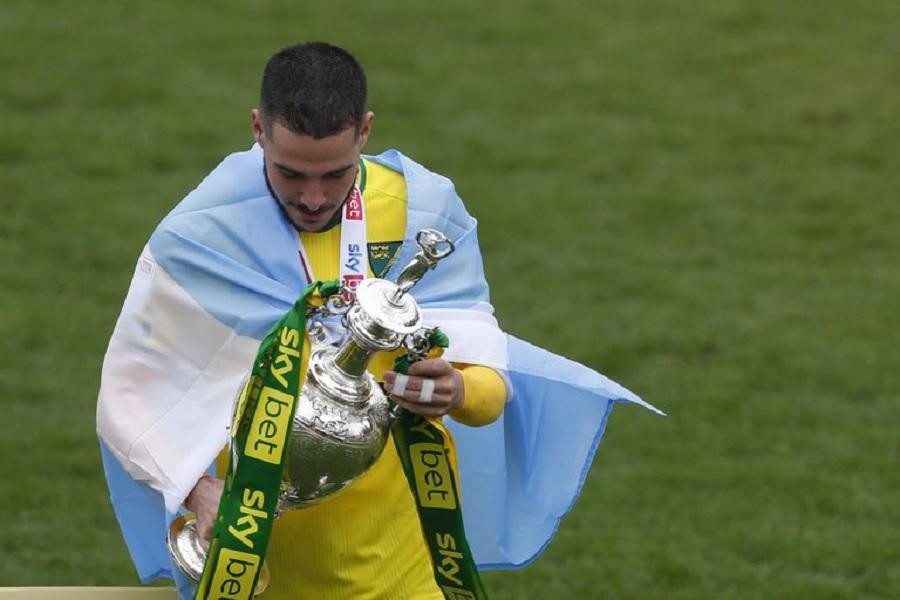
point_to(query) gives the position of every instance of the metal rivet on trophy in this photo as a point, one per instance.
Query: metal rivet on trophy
(343, 417)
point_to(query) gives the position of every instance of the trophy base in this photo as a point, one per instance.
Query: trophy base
(189, 556)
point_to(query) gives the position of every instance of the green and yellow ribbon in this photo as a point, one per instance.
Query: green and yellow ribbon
(424, 452)
(263, 426)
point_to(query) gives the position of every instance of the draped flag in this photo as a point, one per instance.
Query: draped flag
(222, 267)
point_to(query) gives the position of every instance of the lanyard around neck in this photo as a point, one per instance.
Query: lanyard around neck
(354, 265)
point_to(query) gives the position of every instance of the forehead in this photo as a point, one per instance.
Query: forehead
(307, 154)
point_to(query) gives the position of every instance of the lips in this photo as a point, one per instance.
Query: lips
(307, 211)
(306, 219)
(312, 215)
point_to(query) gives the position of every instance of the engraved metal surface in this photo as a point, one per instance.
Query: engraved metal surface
(336, 434)
(184, 546)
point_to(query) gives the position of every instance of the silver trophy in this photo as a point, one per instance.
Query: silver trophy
(343, 417)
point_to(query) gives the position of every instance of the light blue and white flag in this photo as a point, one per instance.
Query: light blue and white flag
(222, 267)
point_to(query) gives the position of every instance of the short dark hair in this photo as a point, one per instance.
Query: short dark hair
(313, 89)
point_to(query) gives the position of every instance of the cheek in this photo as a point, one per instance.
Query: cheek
(287, 189)
(279, 184)
(343, 184)
(286, 195)
(336, 189)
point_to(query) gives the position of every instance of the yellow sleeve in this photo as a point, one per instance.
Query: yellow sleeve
(485, 396)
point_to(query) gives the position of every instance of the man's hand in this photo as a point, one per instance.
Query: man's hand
(204, 502)
(432, 389)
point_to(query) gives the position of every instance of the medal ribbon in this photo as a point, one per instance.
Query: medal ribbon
(354, 253)
(424, 452)
(263, 424)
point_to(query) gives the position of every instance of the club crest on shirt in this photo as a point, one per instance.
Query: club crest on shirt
(382, 256)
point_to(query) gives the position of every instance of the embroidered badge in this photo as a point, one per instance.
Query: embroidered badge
(382, 256)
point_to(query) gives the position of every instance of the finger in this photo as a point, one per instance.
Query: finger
(433, 367)
(204, 527)
(426, 393)
(438, 408)
(400, 384)
(442, 385)
(422, 391)
(412, 397)
(399, 381)
(397, 384)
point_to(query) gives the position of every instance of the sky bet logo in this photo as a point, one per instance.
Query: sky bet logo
(354, 258)
(351, 282)
(353, 263)
(353, 207)
(234, 576)
(235, 571)
(268, 431)
(433, 480)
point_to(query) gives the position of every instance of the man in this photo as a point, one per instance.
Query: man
(233, 256)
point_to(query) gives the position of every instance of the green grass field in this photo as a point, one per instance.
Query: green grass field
(699, 199)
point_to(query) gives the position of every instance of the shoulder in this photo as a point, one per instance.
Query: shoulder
(231, 205)
(236, 184)
(384, 181)
(238, 177)
(409, 169)
(429, 194)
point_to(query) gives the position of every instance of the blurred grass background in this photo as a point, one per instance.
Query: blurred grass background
(699, 199)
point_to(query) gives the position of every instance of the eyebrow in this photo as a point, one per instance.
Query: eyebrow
(295, 172)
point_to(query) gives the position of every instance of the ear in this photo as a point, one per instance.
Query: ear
(257, 121)
(365, 128)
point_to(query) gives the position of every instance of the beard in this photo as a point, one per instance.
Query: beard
(335, 219)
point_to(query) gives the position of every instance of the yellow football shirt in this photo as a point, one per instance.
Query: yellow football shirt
(366, 542)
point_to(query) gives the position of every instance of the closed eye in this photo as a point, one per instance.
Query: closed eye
(290, 174)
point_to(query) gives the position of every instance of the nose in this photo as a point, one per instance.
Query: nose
(312, 196)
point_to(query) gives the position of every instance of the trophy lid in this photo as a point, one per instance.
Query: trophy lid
(398, 313)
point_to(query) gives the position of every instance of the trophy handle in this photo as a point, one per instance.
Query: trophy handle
(434, 247)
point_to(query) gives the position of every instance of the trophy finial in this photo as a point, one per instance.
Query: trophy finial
(434, 246)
